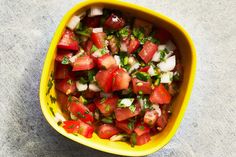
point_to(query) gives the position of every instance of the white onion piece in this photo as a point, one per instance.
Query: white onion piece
(134, 67)
(123, 47)
(97, 53)
(80, 86)
(94, 87)
(97, 30)
(156, 56)
(95, 11)
(167, 77)
(131, 60)
(119, 137)
(73, 117)
(157, 109)
(170, 46)
(168, 64)
(117, 58)
(59, 117)
(74, 21)
(106, 95)
(161, 47)
(169, 54)
(151, 71)
(72, 59)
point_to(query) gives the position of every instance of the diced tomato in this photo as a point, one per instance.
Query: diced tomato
(61, 54)
(162, 35)
(88, 47)
(99, 39)
(121, 80)
(104, 79)
(107, 105)
(79, 126)
(62, 71)
(106, 61)
(71, 126)
(68, 41)
(66, 86)
(141, 129)
(113, 44)
(123, 125)
(160, 95)
(148, 51)
(133, 45)
(114, 22)
(83, 63)
(80, 110)
(141, 86)
(125, 113)
(150, 117)
(91, 107)
(144, 69)
(106, 131)
(63, 100)
(141, 140)
(162, 120)
(85, 129)
(92, 21)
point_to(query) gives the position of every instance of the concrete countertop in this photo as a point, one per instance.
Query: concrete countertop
(209, 125)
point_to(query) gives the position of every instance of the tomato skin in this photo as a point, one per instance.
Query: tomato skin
(99, 39)
(150, 117)
(61, 54)
(148, 51)
(63, 100)
(106, 131)
(139, 85)
(66, 86)
(125, 113)
(61, 71)
(162, 120)
(141, 140)
(162, 35)
(144, 69)
(133, 45)
(141, 129)
(123, 125)
(160, 95)
(106, 61)
(91, 107)
(114, 22)
(108, 106)
(78, 126)
(92, 21)
(71, 126)
(83, 63)
(80, 110)
(104, 79)
(68, 41)
(121, 80)
(88, 47)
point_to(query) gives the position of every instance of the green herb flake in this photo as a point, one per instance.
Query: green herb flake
(126, 60)
(50, 83)
(69, 82)
(133, 139)
(53, 99)
(157, 82)
(163, 54)
(132, 108)
(108, 120)
(80, 115)
(141, 127)
(131, 123)
(51, 109)
(143, 76)
(94, 48)
(103, 51)
(103, 100)
(83, 80)
(91, 74)
(83, 100)
(65, 60)
(86, 112)
(123, 33)
(140, 92)
(107, 108)
(70, 98)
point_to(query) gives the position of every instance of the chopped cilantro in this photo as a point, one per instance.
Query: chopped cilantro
(176, 76)
(65, 60)
(143, 76)
(70, 98)
(83, 100)
(80, 115)
(103, 51)
(83, 30)
(107, 108)
(141, 127)
(83, 80)
(131, 123)
(163, 54)
(133, 139)
(91, 74)
(103, 100)
(86, 112)
(69, 82)
(140, 92)
(123, 33)
(108, 120)
(94, 48)
(157, 82)
(50, 83)
(132, 108)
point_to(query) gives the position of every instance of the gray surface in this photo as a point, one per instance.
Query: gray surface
(209, 125)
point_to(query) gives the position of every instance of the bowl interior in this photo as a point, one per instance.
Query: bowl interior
(185, 45)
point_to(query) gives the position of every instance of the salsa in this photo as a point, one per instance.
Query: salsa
(116, 75)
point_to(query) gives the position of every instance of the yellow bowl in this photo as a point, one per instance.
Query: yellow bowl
(188, 54)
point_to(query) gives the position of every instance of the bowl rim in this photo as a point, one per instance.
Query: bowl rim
(49, 56)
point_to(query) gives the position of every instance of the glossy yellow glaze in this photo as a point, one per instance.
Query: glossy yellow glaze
(186, 46)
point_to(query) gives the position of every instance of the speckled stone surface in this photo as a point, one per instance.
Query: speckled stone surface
(209, 125)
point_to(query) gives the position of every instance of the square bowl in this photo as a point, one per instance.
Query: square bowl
(51, 109)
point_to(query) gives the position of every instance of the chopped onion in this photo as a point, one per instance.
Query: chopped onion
(119, 137)
(168, 64)
(95, 11)
(74, 21)
(117, 58)
(134, 67)
(59, 117)
(161, 47)
(151, 71)
(170, 46)
(157, 109)
(167, 77)
(131, 60)
(156, 56)
(123, 47)
(80, 86)
(126, 102)
(97, 30)
(94, 87)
